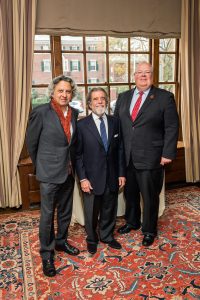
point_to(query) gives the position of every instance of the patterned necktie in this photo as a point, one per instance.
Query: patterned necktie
(103, 134)
(136, 106)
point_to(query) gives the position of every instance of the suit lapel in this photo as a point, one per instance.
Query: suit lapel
(73, 122)
(128, 104)
(110, 129)
(93, 129)
(56, 121)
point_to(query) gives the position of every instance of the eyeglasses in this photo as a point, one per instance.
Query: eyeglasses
(139, 73)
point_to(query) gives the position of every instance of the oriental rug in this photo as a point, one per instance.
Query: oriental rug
(169, 269)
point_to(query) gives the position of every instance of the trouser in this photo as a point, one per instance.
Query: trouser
(149, 184)
(54, 196)
(104, 208)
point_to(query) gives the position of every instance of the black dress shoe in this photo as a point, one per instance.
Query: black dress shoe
(127, 228)
(113, 244)
(148, 240)
(92, 248)
(67, 248)
(48, 267)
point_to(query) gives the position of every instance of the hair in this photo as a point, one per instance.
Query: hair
(142, 63)
(95, 89)
(59, 78)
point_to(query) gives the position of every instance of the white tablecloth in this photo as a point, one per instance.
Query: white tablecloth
(78, 215)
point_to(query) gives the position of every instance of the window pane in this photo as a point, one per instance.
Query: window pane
(39, 96)
(114, 92)
(168, 87)
(135, 59)
(167, 67)
(42, 42)
(118, 65)
(140, 44)
(42, 68)
(78, 102)
(167, 45)
(73, 66)
(72, 43)
(118, 44)
(95, 43)
(96, 68)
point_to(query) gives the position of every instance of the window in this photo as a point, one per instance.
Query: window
(92, 65)
(71, 43)
(44, 47)
(74, 48)
(92, 48)
(45, 65)
(65, 65)
(42, 72)
(93, 80)
(167, 64)
(104, 61)
(75, 65)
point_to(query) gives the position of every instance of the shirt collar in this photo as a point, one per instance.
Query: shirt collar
(145, 92)
(95, 117)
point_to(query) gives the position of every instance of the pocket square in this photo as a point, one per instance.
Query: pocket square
(116, 135)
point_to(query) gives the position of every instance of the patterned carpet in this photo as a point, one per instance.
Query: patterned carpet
(169, 269)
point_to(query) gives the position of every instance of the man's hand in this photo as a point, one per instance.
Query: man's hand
(122, 181)
(165, 161)
(86, 186)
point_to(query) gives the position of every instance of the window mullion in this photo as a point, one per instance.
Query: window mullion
(155, 60)
(56, 56)
(85, 70)
(107, 70)
(129, 62)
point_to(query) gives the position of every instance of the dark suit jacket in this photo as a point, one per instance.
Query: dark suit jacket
(48, 146)
(92, 161)
(154, 133)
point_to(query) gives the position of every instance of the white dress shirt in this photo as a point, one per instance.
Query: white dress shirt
(136, 94)
(98, 122)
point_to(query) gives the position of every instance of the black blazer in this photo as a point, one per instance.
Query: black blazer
(154, 133)
(48, 146)
(92, 161)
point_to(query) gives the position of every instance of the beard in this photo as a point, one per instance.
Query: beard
(99, 111)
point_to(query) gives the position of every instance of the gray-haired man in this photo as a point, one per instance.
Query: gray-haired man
(51, 137)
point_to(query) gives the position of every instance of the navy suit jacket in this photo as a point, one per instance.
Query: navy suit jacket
(48, 146)
(92, 161)
(154, 133)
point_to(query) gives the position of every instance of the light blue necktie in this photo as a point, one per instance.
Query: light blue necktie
(103, 134)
